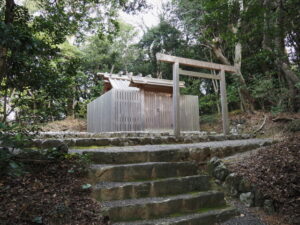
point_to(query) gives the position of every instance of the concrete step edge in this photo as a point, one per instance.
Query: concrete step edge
(201, 218)
(129, 141)
(111, 166)
(107, 191)
(140, 171)
(156, 200)
(209, 217)
(109, 185)
(170, 147)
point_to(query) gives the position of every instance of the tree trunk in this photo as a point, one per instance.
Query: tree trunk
(245, 96)
(282, 60)
(7, 104)
(266, 36)
(216, 89)
(247, 102)
(8, 19)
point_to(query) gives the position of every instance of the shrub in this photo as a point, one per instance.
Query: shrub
(16, 158)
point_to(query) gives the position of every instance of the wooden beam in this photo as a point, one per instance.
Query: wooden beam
(197, 74)
(194, 63)
(225, 119)
(176, 100)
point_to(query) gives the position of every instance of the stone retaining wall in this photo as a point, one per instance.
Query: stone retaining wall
(238, 187)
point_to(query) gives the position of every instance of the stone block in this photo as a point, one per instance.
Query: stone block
(51, 143)
(102, 141)
(232, 183)
(221, 172)
(212, 164)
(85, 142)
(244, 186)
(247, 199)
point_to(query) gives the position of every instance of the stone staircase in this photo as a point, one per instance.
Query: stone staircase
(158, 184)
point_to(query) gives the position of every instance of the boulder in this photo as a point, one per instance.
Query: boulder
(156, 141)
(51, 143)
(187, 140)
(232, 183)
(171, 139)
(247, 199)
(221, 172)
(84, 142)
(212, 164)
(258, 198)
(199, 154)
(244, 186)
(116, 142)
(102, 141)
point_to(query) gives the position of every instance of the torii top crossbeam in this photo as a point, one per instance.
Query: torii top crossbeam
(194, 63)
(177, 61)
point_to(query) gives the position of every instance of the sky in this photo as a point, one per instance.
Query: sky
(148, 18)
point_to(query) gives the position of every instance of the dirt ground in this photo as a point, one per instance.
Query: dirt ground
(275, 171)
(49, 194)
(253, 216)
(251, 123)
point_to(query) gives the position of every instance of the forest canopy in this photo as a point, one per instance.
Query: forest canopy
(51, 51)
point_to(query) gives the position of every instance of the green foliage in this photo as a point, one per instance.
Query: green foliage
(43, 77)
(212, 23)
(40, 73)
(12, 138)
(212, 118)
(15, 155)
(80, 162)
(208, 103)
(162, 38)
(8, 166)
(233, 96)
(15, 135)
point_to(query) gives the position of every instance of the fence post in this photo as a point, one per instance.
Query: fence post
(143, 117)
(224, 104)
(176, 100)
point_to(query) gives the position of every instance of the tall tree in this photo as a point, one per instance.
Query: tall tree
(29, 37)
(217, 25)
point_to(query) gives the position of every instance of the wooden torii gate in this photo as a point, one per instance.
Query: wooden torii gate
(177, 61)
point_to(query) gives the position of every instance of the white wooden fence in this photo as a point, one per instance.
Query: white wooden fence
(127, 110)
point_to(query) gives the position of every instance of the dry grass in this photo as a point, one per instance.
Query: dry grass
(68, 124)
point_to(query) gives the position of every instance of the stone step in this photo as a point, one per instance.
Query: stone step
(158, 207)
(141, 171)
(115, 156)
(206, 217)
(170, 153)
(50, 141)
(106, 191)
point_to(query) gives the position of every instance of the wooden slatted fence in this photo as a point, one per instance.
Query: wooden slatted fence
(128, 110)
